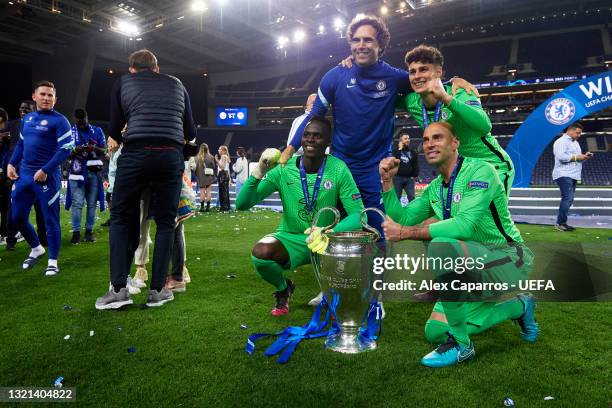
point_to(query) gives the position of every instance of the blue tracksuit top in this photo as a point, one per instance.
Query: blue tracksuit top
(363, 103)
(45, 141)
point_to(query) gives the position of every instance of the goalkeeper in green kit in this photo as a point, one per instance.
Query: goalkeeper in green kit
(432, 102)
(305, 185)
(470, 202)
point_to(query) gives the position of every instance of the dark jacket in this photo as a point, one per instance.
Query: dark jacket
(409, 162)
(155, 107)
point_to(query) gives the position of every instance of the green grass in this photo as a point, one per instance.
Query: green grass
(190, 351)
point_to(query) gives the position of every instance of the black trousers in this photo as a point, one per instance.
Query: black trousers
(224, 196)
(161, 168)
(7, 228)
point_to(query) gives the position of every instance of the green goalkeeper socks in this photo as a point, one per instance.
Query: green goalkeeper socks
(271, 272)
(456, 315)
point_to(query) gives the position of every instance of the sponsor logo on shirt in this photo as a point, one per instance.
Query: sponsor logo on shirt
(328, 184)
(560, 111)
(356, 196)
(473, 103)
(478, 184)
(457, 197)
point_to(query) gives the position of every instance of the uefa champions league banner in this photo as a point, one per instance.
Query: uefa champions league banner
(581, 99)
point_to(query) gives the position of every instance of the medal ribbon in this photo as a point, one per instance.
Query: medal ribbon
(436, 113)
(446, 206)
(315, 191)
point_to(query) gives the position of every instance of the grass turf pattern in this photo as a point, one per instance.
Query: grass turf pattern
(190, 352)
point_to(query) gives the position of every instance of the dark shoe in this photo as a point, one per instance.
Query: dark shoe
(89, 236)
(76, 238)
(282, 299)
(569, 227)
(10, 245)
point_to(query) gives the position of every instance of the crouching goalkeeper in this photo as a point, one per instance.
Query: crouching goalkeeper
(470, 200)
(306, 184)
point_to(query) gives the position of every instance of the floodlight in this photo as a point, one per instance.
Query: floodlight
(198, 6)
(299, 36)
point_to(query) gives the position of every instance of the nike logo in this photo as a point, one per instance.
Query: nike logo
(350, 86)
(466, 354)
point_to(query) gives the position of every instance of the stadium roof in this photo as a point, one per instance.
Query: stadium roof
(226, 35)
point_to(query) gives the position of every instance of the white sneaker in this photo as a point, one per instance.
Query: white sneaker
(138, 283)
(133, 290)
(19, 237)
(51, 270)
(314, 302)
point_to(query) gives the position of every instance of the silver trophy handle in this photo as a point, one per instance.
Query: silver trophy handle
(315, 219)
(364, 221)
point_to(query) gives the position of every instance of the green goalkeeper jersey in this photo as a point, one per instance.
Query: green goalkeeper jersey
(470, 123)
(479, 209)
(337, 186)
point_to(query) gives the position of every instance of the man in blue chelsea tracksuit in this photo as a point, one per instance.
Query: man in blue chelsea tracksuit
(363, 102)
(44, 143)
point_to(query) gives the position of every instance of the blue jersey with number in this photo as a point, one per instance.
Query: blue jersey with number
(363, 103)
(45, 141)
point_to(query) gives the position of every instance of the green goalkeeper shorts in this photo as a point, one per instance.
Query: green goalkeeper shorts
(296, 246)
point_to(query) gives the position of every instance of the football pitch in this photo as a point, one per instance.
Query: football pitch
(190, 352)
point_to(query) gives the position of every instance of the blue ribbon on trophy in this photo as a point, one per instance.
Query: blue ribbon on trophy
(345, 275)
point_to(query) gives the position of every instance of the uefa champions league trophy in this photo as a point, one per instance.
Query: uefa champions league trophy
(345, 275)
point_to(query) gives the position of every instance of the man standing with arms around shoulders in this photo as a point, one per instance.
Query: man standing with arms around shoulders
(469, 199)
(568, 170)
(156, 109)
(45, 141)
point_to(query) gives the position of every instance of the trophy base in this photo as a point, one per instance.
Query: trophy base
(349, 343)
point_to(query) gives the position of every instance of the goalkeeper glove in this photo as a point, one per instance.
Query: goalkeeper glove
(269, 158)
(317, 241)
